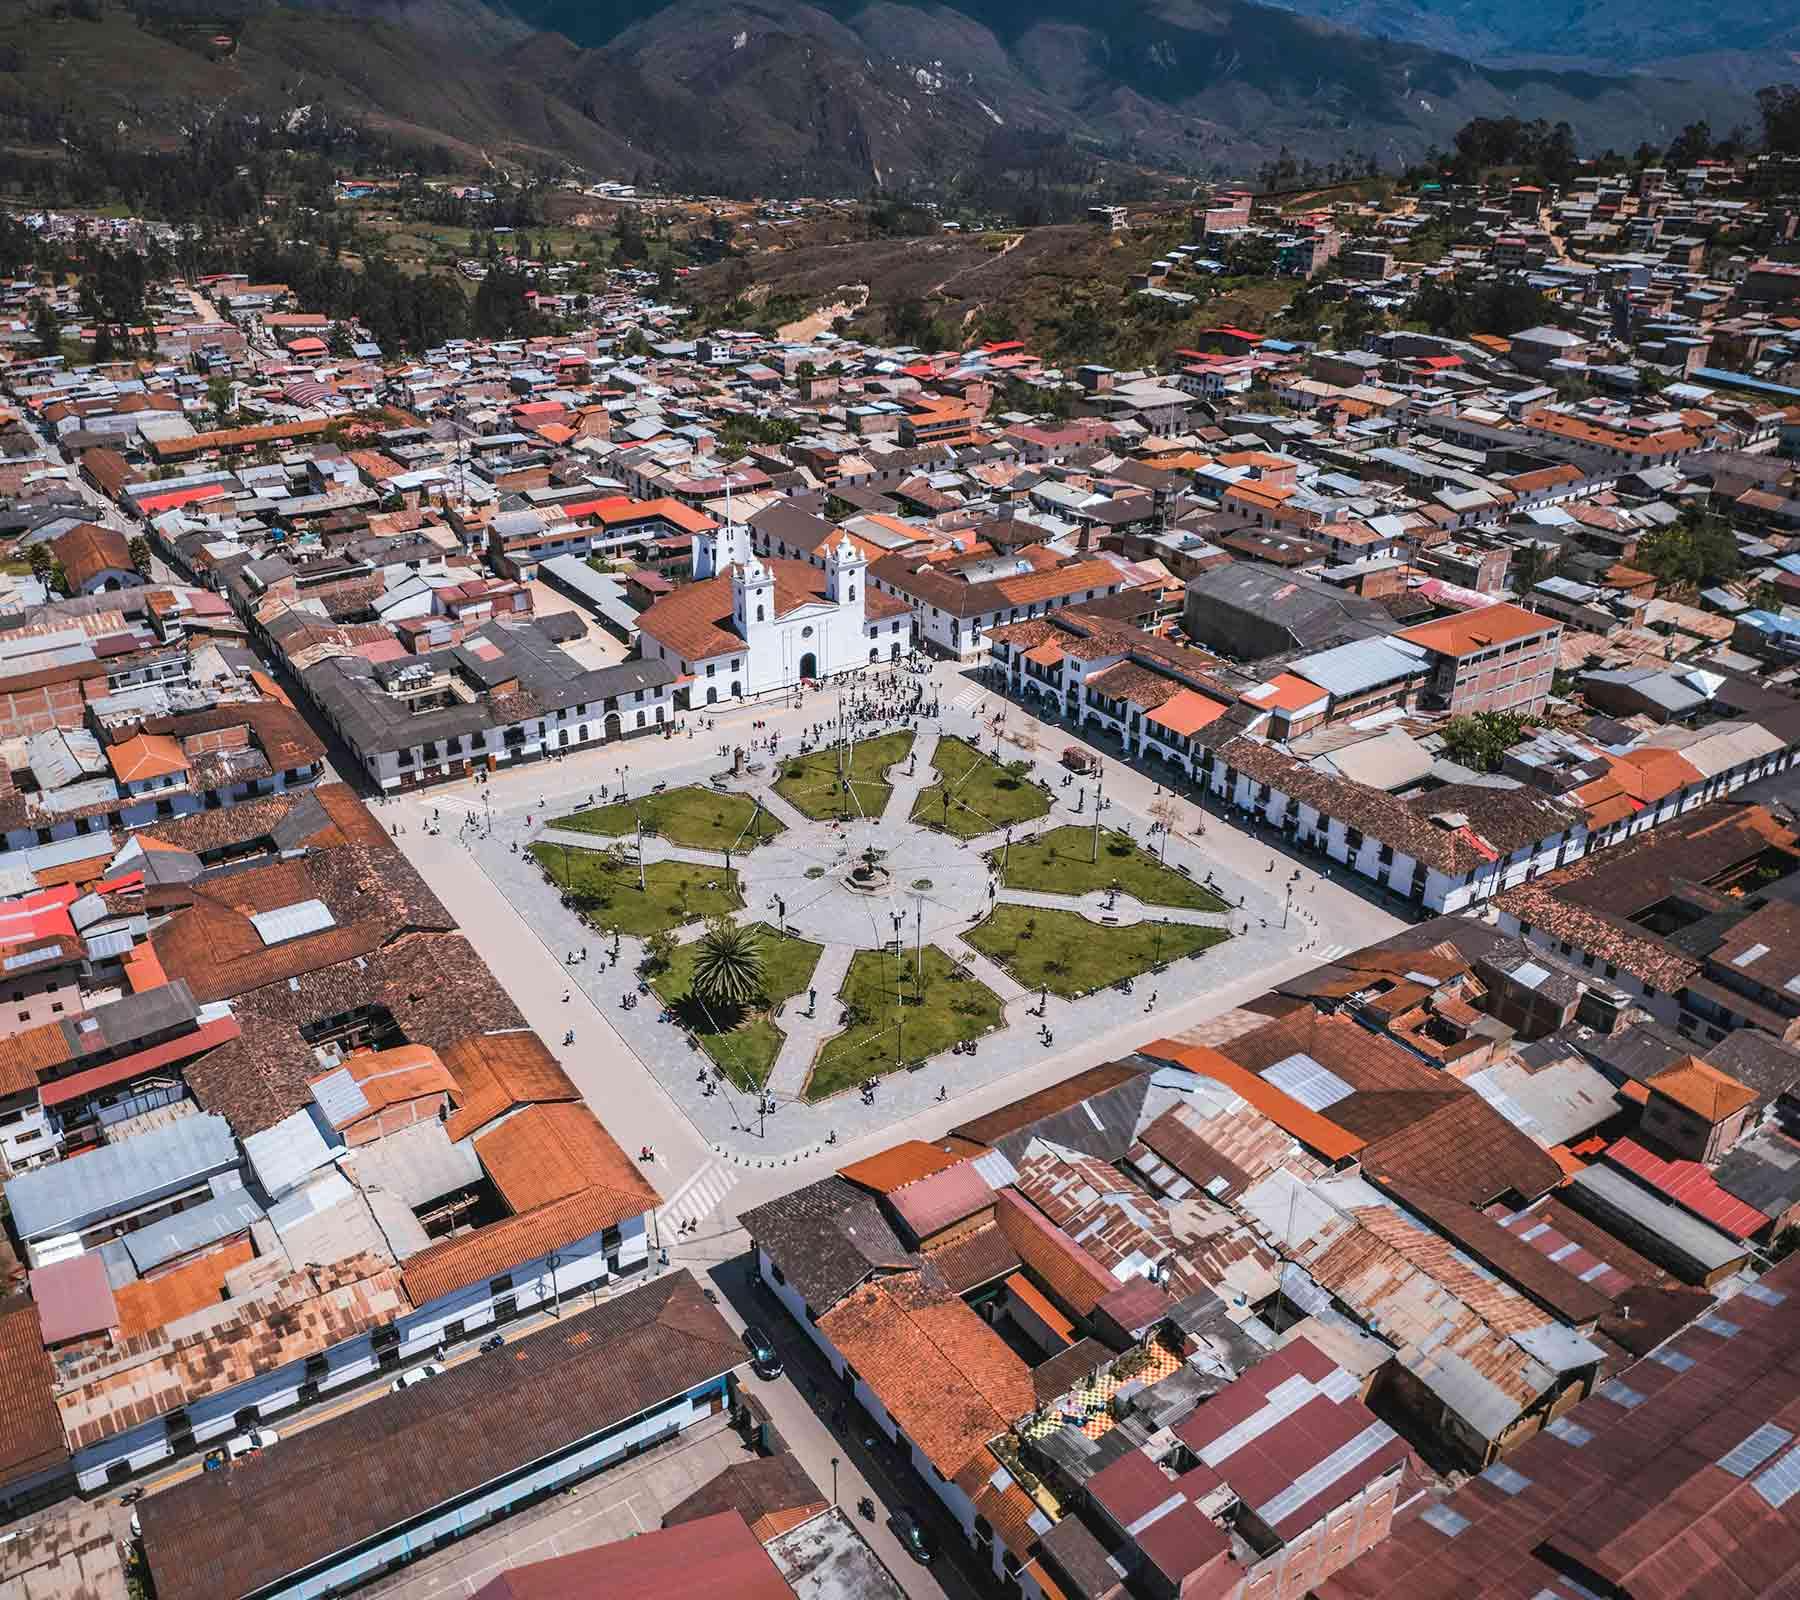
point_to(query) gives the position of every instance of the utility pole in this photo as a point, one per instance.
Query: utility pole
(1099, 789)
(640, 853)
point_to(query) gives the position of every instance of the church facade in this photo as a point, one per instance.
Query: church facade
(745, 626)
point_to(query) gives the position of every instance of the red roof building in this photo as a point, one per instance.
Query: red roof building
(1689, 1185)
(716, 1558)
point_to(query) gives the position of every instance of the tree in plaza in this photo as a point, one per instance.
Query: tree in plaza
(659, 950)
(1482, 740)
(730, 968)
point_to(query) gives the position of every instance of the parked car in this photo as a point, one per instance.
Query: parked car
(431, 1369)
(765, 1359)
(906, 1527)
(250, 1442)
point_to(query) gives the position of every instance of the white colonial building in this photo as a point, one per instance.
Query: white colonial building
(745, 625)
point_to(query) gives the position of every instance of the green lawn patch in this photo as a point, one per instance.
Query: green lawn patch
(605, 889)
(810, 783)
(1058, 862)
(701, 818)
(952, 1008)
(976, 794)
(745, 1043)
(1064, 952)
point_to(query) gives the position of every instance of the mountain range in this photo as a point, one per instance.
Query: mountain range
(853, 95)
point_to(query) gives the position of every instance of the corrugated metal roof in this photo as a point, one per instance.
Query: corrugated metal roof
(191, 1230)
(292, 922)
(50, 1200)
(1363, 664)
(288, 1153)
(340, 1097)
(115, 942)
(61, 852)
(1703, 1245)
(1690, 1186)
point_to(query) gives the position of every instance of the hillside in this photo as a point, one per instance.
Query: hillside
(777, 97)
(1064, 290)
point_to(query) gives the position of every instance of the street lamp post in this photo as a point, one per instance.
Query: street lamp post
(919, 946)
(899, 919)
(834, 1486)
(1099, 789)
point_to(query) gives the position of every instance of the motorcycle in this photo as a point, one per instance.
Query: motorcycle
(866, 1507)
(493, 1341)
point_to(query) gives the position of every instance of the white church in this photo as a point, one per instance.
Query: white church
(744, 626)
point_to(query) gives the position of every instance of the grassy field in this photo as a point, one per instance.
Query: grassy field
(744, 1044)
(703, 819)
(1057, 863)
(674, 892)
(953, 1008)
(1065, 953)
(810, 784)
(982, 796)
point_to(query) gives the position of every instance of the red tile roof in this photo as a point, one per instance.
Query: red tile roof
(31, 1435)
(715, 1556)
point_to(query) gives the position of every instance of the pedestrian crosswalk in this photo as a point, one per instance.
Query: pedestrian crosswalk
(966, 700)
(1329, 952)
(698, 1198)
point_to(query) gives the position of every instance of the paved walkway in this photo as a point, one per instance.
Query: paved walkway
(1120, 910)
(806, 1033)
(996, 977)
(908, 789)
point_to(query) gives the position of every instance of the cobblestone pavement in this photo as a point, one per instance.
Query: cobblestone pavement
(938, 885)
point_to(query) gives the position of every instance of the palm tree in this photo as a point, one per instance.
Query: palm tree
(729, 968)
